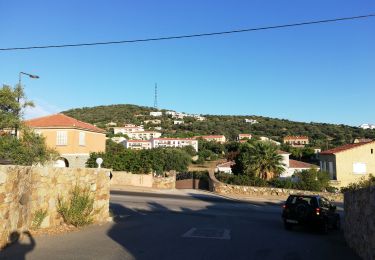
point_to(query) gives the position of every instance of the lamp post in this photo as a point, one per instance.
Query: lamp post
(32, 76)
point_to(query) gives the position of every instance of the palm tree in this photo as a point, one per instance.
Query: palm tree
(264, 160)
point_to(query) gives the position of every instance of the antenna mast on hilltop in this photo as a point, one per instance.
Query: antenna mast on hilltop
(156, 96)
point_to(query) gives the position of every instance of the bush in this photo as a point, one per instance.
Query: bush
(282, 183)
(78, 209)
(363, 183)
(39, 216)
(242, 180)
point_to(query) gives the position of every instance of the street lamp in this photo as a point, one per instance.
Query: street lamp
(32, 76)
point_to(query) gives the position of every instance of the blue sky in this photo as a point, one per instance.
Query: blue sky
(320, 73)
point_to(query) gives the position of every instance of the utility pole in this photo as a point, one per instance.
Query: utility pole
(156, 96)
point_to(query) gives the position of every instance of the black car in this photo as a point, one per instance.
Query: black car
(311, 211)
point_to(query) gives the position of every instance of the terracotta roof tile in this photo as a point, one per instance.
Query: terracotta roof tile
(301, 165)
(61, 120)
(345, 148)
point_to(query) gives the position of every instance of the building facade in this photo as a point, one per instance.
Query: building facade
(296, 141)
(213, 138)
(74, 140)
(137, 144)
(144, 135)
(349, 163)
(127, 128)
(174, 142)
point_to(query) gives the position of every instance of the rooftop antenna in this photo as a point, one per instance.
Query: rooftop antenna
(156, 96)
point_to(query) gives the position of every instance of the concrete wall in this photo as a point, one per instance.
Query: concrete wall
(129, 179)
(359, 227)
(143, 180)
(24, 190)
(223, 188)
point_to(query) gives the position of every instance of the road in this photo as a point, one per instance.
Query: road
(186, 225)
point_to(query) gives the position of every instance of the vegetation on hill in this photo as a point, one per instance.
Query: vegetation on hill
(321, 134)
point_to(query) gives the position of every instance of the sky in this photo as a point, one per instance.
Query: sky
(314, 73)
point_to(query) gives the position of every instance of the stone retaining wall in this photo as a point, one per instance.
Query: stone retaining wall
(130, 179)
(359, 227)
(223, 188)
(25, 190)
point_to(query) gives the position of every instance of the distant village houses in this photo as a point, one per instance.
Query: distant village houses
(251, 121)
(213, 138)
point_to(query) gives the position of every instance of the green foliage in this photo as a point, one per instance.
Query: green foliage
(158, 160)
(29, 149)
(312, 180)
(10, 108)
(243, 180)
(259, 159)
(363, 183)
(77, 210)
(286, 183)
(39, 216)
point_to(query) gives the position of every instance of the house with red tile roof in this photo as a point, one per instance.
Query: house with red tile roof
(349, 163)
(73, 139)
(293, 166)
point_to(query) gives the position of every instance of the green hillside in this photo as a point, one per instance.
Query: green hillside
(321, 135)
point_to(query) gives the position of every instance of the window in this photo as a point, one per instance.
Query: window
(82, 137)
(372, 151)
(359, 168)
(61, 138)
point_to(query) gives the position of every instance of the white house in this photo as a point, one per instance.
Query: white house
(127, 128)
(137, 144)
(174, 142)
(367, 126)
(144, 135)
(251, 121)
(178, 122)
(225, 167)
(292, 166)
(158, 113)
(266, 139)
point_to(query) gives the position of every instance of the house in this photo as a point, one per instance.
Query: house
(251, 121)
(111, 124)
(367, 126)
(170, 113)
(348, 163)
(291, 167)
(144, 135)
(213, 138)
(153, 122)
(225, 167)
(73, 139)
(296, 141)
(127, 128)
(178, 122)
(118, 139)
(174, 142)
(244, 137)
(137, 144)
(158, 113)
(266, 139)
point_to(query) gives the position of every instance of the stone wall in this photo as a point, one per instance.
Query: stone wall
(223, 188)
(25, 190)
(143, 180)
(359, 226)
(129, 179)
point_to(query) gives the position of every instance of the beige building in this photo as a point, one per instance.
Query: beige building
(144, 135)
(213, 138)
(349, 163)
(296, 141)
(73, 139)
(137, 144)
(174, 142)
(128, 128)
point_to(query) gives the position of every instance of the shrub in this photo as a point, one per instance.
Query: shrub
(282, 183)
(242, 180)
(39, 216)
(363, 183)
(78, 209)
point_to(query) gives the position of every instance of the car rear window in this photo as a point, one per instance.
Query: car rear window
(301, 199)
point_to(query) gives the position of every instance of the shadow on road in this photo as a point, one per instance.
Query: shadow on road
(19, 250)
(157, 232)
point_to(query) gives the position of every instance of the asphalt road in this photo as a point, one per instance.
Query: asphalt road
(186, 225)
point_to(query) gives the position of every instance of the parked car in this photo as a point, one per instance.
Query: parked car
(311, 211)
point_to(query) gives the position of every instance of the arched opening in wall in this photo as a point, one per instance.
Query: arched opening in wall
(61, 163)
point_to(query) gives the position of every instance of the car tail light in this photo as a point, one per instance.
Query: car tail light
(284, 206)
(317, 211)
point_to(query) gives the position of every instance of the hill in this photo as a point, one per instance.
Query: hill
(321, 134)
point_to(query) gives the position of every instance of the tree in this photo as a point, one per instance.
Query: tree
(12, 104)
(259, 159)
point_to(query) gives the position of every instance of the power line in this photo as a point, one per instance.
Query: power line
(189, 35)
